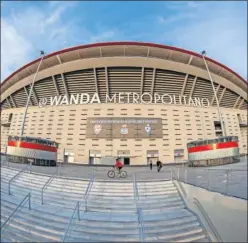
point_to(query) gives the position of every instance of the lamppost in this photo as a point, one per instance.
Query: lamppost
(30, 92)
(203, 53)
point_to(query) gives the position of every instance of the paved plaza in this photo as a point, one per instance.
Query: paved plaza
(227, 179)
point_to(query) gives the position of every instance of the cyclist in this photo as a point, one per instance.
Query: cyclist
(118, 165)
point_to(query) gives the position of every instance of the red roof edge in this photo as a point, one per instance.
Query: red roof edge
(124, 43)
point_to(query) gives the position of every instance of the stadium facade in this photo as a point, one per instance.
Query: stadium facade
(138, 101)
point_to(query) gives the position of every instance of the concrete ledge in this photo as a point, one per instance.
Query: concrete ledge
(228, 214)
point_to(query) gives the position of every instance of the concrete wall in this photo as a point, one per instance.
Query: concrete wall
(228, 214)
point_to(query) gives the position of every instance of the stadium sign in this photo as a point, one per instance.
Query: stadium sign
(124, 98)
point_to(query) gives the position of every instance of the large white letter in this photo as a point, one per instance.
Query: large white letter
(197, 101)
(205, 105)
(166, 95)
(121, 97)
(82, 98)
(180, 99)
(156, 98)
(191, 102)
(142, 101)
(64, 100)
(110, 100)
(135, 99)
(73, 99)
(128, 97)
(95, 98)
(184, 99)
(55, 100)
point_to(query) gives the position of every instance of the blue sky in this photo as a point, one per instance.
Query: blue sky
(218, 27)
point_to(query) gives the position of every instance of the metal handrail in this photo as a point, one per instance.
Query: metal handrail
(229, 172)
(134, 187)
(141, 223)
(47, 183)
(171, 173)
(214, 168)
(206, 217)
(71, 219)
(139, 210)
(181, 187)
(190, 210)
(87, 192)
(16, 176)
(18, 206)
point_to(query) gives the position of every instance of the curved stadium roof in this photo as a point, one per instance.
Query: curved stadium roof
(125, 49)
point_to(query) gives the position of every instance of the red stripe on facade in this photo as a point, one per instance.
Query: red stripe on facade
(227, 145)
(213, 147)
(200, 148)
(32, 146)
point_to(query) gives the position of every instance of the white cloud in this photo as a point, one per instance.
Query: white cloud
(24, 33)
(14, 48)
(220, 29)
(50, 28)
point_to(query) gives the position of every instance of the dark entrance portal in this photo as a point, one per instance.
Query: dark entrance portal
(126, 161)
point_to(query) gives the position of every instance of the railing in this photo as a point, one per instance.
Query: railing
(88, 189)
(179, 186)
(141, 223)
(206, 217)
(226, 181)
(15, 177)
(135, 188)
(139, 210)
(76, 209)
(48, 182)
(22, 203)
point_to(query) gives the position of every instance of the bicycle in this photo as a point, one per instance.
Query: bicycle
(115, 173)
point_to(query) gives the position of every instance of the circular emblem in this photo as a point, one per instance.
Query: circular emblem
(97, 129)
(148, 129)
(124, 129)
(42, 102)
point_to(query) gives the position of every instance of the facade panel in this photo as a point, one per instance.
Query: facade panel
(67, 125)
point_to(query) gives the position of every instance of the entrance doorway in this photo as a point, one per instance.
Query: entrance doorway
(126, 161)
(95, 157)
(66, 159)
(178, 155)
(68, 156)
(95, 161)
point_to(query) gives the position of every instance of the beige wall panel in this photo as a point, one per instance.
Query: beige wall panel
(194, 123)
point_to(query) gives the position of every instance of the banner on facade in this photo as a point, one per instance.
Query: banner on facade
(119, 127)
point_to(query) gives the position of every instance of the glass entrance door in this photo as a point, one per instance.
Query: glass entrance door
(126, 161)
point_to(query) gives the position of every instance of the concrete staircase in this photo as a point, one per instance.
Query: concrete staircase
(165, 216)
(40, 224)
(110, 212)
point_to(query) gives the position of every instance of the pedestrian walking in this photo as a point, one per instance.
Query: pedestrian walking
(150, 165)
(158, 165)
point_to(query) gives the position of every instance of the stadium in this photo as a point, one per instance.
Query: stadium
(136, 101)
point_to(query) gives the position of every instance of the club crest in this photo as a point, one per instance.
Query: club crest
(124, 129)
(97, 129)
